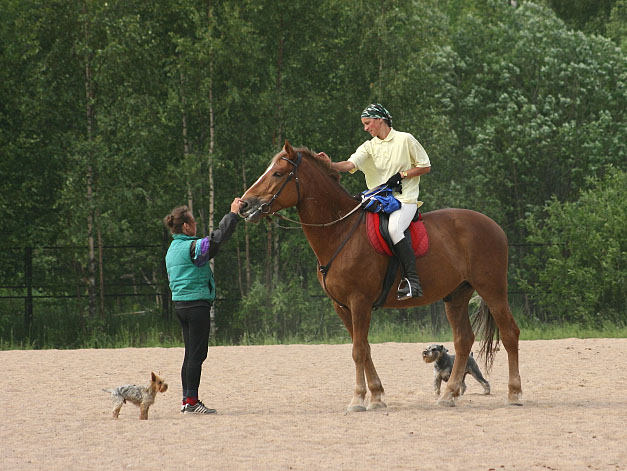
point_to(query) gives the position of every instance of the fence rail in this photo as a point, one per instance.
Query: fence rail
(68, 282)
(32, 289)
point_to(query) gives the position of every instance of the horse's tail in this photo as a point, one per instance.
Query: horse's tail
(484, 325)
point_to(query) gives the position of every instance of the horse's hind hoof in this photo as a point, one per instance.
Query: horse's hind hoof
(356, 408)
(446, 402)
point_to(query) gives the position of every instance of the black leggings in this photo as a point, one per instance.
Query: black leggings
(195, 322)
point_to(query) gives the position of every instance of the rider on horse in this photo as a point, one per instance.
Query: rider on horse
(397, 159)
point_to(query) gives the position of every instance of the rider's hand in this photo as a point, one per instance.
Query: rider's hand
(323, 156)
(394, 182)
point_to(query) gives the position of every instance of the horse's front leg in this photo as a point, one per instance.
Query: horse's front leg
(374, 384)
(364, 366)
(357, 404)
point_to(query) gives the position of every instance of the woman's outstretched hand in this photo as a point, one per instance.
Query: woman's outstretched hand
(236, 205)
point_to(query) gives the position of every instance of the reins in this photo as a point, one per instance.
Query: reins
(326, 224)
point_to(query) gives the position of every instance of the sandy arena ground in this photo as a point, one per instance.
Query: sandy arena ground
(283, 407)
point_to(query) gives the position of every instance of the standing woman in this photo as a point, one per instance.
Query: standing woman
(397, 159)
(193, 291)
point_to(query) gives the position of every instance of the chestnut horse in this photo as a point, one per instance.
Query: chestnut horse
(467, 253)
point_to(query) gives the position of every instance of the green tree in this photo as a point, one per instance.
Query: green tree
(581, 274)
(589, 16)
(540, 109)
(617, 24)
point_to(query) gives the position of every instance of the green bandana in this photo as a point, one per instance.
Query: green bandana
(375, 110)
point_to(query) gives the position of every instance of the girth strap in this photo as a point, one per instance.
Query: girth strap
(325, 269)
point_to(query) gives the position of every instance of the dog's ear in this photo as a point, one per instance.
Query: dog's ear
(152, 376)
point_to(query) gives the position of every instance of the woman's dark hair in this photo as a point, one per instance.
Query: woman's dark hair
(177, 217)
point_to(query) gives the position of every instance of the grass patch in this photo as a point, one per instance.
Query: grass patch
(151, 330)
(553, 332)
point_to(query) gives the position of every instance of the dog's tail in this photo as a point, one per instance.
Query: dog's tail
(484, 326)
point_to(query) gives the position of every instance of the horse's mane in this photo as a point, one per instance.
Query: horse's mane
(309, 154)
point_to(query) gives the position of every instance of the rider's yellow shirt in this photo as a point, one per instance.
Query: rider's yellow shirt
(379, 159)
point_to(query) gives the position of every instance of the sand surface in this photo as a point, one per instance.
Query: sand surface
(283, 407)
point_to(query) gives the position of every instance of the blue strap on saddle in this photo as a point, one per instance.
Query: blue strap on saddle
(379, 200)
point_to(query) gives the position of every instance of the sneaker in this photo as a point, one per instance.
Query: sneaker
(198, 408)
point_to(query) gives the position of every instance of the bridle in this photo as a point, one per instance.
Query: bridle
(264, 208)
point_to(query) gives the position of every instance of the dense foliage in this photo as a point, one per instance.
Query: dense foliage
(112, 112)
(582, 274)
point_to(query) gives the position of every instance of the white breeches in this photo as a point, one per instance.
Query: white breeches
(400, 221)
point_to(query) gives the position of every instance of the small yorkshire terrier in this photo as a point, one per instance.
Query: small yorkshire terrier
(142, 396)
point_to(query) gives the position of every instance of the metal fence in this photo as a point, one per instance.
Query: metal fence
(45, 273)
(131, 278)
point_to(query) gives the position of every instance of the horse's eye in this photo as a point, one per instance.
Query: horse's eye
(277, 174)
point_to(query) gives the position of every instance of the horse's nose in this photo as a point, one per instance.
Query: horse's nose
(243, 206)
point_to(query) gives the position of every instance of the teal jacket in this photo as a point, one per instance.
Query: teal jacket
(188, 282)
(189, 273)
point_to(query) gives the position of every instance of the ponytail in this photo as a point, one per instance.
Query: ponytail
(177, 217)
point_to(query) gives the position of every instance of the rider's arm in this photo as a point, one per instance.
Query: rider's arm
(415, 171)
(343, 166)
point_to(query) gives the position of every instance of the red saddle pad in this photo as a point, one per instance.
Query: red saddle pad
(419, 237)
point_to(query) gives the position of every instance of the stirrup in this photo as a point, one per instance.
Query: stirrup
(404, 290)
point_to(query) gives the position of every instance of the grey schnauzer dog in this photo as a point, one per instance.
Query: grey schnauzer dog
(443, 365)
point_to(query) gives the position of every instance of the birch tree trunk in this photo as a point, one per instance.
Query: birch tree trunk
(186, 144)
(100, 265)
(90, 173)
(273, 236)
(212, 313)
(246, 233)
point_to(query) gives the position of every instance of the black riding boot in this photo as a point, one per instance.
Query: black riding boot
(409, 287)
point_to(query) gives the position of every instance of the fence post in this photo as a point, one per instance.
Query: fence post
(28, 300)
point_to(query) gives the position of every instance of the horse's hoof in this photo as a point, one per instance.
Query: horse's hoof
(356, 408)
(446, 402)
(514, 399)
(376, 405)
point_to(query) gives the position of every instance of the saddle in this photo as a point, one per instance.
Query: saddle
(379, 237)
(377, 229)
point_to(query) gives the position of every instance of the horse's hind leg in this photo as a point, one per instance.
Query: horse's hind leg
(463, 337)
(509, 333)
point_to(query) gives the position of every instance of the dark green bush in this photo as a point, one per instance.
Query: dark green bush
(581, 277)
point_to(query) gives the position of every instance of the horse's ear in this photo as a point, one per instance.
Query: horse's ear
(289, 150)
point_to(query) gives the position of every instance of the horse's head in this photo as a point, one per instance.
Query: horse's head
(276, 189)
